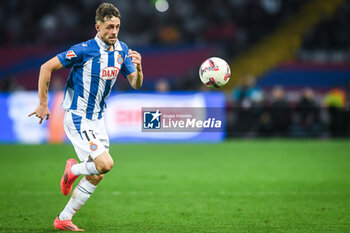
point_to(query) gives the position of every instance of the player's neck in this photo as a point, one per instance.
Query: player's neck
(110, 47)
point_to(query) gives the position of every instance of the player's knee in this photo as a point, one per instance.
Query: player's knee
(104, 163)
(109, 165)
(106, 166)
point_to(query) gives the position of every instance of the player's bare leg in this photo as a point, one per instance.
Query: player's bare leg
(100, 165)
(79, 196)
(82, 192)
(94, 179)
(104, 163)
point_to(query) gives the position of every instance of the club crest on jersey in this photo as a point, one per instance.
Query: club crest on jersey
(119, 59)
(93, 146)
(109, 73)
(70, 54)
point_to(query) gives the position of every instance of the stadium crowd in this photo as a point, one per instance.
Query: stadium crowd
(34, 22)
(303, 112)
(253, 112)
(330, 39)
(230, 25)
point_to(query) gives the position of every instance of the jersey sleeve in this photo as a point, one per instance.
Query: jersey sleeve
(72, 56)
(128, 67)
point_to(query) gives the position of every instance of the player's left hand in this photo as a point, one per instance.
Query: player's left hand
(41, 112)
(135, 58)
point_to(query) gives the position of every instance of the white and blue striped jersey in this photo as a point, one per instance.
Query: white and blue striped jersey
(94, 71)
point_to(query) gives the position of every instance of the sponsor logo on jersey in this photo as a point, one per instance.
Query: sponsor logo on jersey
(109, 73)
(70, 54)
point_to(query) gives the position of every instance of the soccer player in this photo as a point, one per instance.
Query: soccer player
(94, 65)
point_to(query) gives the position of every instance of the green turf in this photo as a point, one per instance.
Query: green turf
(237, 186)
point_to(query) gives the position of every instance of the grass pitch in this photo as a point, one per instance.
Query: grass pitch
(236, 186)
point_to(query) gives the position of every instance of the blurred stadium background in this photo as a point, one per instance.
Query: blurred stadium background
(288, 55)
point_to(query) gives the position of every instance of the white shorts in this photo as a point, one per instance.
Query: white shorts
(89, 137)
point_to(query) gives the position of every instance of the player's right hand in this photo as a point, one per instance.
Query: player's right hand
(41, 112)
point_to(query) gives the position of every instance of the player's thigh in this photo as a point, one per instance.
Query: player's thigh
(83, 135)
(102, 133)
(104, 161)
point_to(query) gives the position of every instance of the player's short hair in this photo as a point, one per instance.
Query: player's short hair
(106, 11)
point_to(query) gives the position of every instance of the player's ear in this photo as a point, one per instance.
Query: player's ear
(97, 26)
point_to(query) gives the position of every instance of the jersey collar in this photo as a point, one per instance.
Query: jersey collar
(104, 46)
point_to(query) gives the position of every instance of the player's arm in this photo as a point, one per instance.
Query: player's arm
(136, 78)
(42, 110)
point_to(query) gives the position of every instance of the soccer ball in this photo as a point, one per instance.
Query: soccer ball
(214, 72)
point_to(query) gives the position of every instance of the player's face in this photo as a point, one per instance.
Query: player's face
(108, 31)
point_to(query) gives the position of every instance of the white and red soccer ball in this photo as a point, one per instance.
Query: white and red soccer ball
(214, 72)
